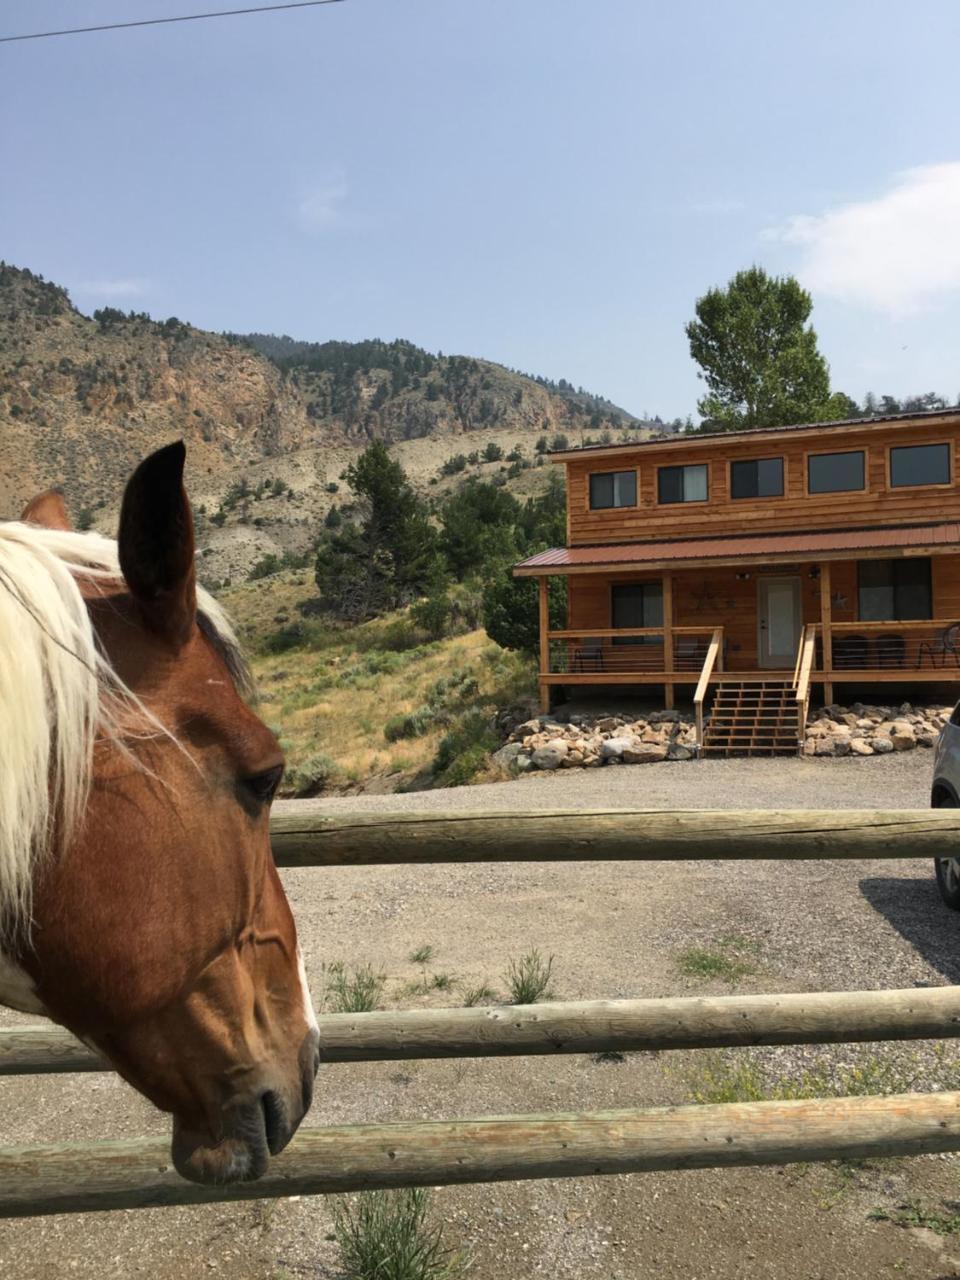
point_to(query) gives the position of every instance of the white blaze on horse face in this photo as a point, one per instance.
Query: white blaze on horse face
(16, 988)
(308, 1013)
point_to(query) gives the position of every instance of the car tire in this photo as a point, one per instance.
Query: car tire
(948, 869)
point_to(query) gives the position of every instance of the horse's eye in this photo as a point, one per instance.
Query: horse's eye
(263, 786)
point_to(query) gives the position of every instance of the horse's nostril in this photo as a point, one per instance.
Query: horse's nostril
(274, 1121)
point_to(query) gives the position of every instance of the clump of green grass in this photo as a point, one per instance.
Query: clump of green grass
(384, 1235)
(914, 1215)
(480, 994)
(729, 958)
(422, 955)
(529, 978)
(356, 990)
(442, 981)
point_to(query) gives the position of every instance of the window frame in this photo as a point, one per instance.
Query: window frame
(615, 471)
(863, 450)
(925, 444)
(682, 466)
(766, 497)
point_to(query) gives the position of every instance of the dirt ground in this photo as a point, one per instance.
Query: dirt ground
(614, 929)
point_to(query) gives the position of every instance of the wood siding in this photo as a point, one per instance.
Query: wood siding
(718, 597)
(877, 504)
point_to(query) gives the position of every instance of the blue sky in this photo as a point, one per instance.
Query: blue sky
(547, 183)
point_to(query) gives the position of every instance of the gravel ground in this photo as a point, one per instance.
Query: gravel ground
(615, 929)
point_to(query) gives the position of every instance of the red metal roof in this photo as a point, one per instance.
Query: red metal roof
(745, 548)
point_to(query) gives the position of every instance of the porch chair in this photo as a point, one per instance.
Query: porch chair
(945, 645)
(588, 656)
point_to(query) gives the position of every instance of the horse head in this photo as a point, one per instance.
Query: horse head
(157, 929)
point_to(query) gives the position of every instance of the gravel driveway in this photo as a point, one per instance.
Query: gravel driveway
(614, 929)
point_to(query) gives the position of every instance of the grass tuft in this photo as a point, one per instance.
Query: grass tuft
(729, 959)
(914, 1215)
(529, 978)
(480, 994)
(384, 1235)
(356, 990)
(422, 955)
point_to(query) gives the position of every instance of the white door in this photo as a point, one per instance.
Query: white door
(780, 621)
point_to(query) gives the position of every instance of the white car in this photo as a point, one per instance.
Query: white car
(946, 795)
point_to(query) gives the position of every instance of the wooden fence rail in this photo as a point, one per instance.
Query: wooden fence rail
(587, 1026)
(305, 834)
(136, 1174)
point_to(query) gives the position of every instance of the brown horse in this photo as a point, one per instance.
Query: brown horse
(139, 903)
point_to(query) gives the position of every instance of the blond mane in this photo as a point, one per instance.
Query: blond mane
(59, 694)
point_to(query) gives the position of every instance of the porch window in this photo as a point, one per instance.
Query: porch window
(835, 472)
(682, 484)
(613, 489)
(757, 478)
(895, 590)
(920, 464)
(636, 604)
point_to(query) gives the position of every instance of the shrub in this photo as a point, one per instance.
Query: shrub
(383, 1235)
(310, 777)
(433, 615)
(287, 638)
(265, 567)
(333, 487)
(529, 978)
(463, 752)
(412, 725)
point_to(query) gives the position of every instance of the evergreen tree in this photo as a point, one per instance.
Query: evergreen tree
(758, 354)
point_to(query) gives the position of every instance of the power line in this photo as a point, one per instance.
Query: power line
(156, 22)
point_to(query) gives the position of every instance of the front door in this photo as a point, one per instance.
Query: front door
(780, 620)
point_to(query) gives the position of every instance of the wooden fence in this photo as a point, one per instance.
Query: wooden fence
(137, 1173)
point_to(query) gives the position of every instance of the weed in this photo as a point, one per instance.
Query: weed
(442, 981)
(608, 1056)
(422, 955)
(914, 1215)
(528, 978)
(723, 1075)
(356, 991)
(310, 777)
(383, 1235)
(480, 994)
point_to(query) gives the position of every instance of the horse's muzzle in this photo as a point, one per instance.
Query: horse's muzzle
(250, 1130)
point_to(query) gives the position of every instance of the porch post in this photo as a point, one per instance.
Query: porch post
(826, 620)
(544, 584)
(668, 688)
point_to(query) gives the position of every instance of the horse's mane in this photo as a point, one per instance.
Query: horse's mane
(59, 694)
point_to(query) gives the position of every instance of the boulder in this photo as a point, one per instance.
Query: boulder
(643, 753)
(507, 755)
(613, 748)
(902, 735)
(552, 755)
(860, 747)
(926, 738)
(881, 744)
(677, 751)
(608, 724)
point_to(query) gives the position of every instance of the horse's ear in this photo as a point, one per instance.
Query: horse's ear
(47, 509)
(156, 544)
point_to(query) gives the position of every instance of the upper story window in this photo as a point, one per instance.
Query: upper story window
(613, 489)
(682, 484)
(920, 464)
(757, 478)
(836, 472)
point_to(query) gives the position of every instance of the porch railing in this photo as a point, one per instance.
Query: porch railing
(629, 650)
(713, 660)
(898, 648)
(806, 659)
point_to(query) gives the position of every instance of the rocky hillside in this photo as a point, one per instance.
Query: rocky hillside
(270, 423)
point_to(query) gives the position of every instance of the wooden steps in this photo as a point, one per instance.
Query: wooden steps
(752, 718)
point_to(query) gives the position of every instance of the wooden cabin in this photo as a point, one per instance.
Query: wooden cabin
(750, 566)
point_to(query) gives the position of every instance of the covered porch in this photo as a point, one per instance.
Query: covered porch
(881, 611)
